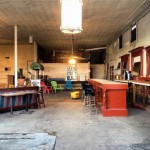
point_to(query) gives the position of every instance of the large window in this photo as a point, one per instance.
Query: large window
(133, 33)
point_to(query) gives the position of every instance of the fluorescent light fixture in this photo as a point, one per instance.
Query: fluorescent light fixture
(71, 16)
(94, 49)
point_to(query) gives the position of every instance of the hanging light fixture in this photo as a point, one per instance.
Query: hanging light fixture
(71, 16)
(72, 61)
(30, 39)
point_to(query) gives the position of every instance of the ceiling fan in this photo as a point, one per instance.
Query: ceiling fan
(72, 56)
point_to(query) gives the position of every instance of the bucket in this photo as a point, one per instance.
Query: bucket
(75, 94)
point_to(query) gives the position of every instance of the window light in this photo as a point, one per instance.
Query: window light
(133, 33)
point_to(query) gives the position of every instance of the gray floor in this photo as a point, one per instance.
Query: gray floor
(77, 128)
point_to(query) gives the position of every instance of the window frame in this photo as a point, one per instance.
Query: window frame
(121, 41)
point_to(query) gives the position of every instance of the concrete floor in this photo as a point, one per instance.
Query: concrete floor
(77, 128)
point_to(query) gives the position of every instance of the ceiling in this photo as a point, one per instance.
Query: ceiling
(102, 21)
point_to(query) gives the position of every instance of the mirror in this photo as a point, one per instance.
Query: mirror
(137, 61)
(137, 65)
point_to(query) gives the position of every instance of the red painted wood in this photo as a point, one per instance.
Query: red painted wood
(148, 61)
(112, 98)
(125, 58)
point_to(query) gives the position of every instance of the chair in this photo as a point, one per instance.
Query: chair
(56, 86)
(45, 87)
(68, 85)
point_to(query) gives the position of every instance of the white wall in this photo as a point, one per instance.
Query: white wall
(143, 39)
(98, 71)
(59, 70)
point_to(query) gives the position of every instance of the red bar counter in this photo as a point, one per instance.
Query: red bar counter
(110, 97)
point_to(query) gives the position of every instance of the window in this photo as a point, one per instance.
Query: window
(120, 42)
(133, 33)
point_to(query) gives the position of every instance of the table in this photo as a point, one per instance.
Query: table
(144, 85)
(13, 94)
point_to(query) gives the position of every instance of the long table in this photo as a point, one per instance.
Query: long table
(142, 86)
(18, 93)
(110, 97)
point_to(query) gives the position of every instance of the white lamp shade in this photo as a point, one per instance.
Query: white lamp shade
(71, 16)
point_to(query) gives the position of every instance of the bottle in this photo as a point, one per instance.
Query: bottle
(125, 75)
(130, 76)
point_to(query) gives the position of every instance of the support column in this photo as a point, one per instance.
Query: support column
(16, 55)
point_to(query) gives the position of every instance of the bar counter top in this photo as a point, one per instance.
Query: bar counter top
(104, 81)
(146, 83)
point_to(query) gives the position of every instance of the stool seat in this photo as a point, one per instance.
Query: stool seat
(89, 96)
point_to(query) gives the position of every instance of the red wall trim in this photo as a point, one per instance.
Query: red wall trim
(124, 58)
(148, 61)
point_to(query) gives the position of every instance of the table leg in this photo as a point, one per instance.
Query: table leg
(11, 105)
(134, 92)
(144, 96)
(26, 102)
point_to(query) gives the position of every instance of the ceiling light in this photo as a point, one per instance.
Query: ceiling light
(72, 61)
(71, 16)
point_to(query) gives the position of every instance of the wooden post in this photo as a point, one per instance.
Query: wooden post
(16, 55)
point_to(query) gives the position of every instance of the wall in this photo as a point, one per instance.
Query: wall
(143, 39)
(25, 54)
(98, 71)
(59, 70)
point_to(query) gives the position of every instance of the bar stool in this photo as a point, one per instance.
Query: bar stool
(89, 96)
(40, 98)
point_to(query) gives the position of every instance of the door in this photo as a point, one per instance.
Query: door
(111, 72)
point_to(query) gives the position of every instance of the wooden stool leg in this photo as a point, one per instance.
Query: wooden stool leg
(40, 99)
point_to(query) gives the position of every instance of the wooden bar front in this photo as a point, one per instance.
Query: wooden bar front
(111, 96)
